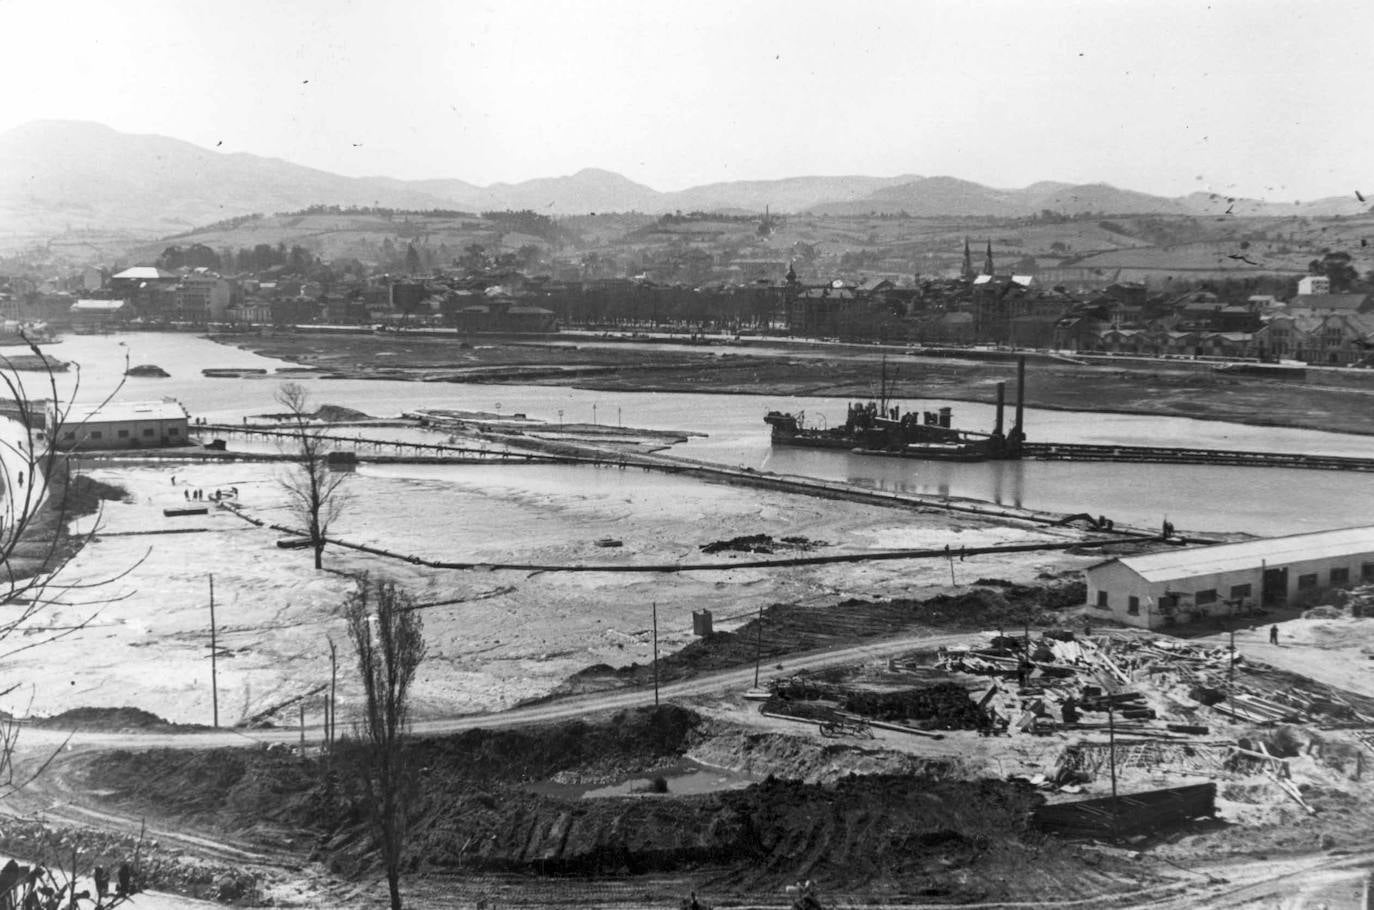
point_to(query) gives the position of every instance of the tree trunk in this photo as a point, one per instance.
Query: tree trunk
(319, 555)
(393, 884)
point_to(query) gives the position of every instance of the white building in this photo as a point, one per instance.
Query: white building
(1189, 585)
(120, 425)
(1314, 284)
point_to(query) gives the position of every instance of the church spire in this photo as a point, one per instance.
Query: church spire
(967, 273)
(987, 260)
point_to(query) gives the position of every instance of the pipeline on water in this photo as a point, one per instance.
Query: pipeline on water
(946, 552)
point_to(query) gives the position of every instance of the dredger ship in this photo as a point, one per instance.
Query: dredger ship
(877, 428)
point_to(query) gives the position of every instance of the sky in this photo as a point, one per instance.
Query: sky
(1254, 98)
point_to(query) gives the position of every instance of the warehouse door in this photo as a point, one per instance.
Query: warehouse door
(1275, 588)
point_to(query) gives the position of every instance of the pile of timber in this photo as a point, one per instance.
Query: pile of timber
(1126, 816)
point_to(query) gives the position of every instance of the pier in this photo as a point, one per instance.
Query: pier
(1055, 451)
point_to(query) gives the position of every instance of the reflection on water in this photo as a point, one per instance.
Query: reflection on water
(1193, 497)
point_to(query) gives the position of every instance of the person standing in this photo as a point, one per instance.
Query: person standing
(1273, 635)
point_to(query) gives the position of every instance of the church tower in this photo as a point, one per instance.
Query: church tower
(987, 260)
(967, 272)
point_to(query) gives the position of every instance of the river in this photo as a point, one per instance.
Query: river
(1199, 498)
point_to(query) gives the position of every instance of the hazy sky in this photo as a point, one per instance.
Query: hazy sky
(1245, 97)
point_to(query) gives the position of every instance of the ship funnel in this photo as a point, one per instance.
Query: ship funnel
(1001, 404)
(1017, 432)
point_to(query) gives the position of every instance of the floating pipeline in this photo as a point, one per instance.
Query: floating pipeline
(664, 568)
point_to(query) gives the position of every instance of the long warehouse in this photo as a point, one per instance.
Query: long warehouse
(1183, 586)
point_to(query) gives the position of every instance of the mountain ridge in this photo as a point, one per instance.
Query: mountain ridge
(56, 173)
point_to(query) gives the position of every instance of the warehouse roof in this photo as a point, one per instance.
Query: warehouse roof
(122, 411)
(1251, 554)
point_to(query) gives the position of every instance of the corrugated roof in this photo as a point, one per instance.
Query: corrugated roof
(97, 306)
(167, 409)
(1250, 554)
(144, 272)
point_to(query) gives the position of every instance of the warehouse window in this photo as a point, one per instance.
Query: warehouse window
(1340, 576)
(1240, 592)
(1307, 582)
(1202, 598)
(148, 431)
(172, 431)
(1367, 571)
(1133, 606)
(1102, 600)
(123, 434)
(70, 434)
(95, 434)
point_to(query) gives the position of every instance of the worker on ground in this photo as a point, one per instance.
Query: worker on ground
(1273, 635)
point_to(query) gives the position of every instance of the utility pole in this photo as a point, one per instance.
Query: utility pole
(758, 649)
(655, 607)
(1111, 758)
(1231, 674)
(333, 688)
(214, 655)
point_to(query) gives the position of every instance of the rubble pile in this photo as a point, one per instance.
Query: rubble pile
(849, 709)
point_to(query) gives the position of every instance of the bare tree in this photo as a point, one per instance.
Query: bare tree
(387, 635)
(42, 494)
(315, 490)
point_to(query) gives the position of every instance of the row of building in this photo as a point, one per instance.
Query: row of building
(1202, 584)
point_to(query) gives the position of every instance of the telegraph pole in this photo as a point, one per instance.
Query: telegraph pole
(655, 607)
(333, 687)
(758, 649)
(214, 655)
(1111, 758)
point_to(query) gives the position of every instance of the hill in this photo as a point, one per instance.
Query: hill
(85, 184)
(56, 174)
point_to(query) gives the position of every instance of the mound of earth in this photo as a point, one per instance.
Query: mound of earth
(476, 810)
(334, 413)
(788, 628)
(108, 719)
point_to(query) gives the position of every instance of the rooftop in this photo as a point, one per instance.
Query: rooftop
(166, 409)
(1250, 554)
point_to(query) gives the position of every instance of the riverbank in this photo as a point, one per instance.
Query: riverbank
(1323, 400)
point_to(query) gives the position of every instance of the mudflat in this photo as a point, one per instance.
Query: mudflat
(1336, 400)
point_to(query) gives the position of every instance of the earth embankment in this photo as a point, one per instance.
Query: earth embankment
(501, 802)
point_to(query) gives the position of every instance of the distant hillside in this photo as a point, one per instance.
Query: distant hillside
(950, 196)
(66, 178)
(792, 194)
(56, 173)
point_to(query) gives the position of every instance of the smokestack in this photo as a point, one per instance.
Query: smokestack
(1017, 430)
(1001, 404)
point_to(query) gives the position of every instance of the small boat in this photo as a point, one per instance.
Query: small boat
(758, 694)
(609, 542)
(147, 369)
(232, 372)
(293, 543)
(187, 510)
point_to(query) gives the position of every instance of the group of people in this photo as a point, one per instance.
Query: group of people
(199, 494)
(231, 493)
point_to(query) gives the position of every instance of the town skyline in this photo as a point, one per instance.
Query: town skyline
(1166, 98)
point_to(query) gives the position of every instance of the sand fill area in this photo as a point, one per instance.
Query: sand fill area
(497, 637)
